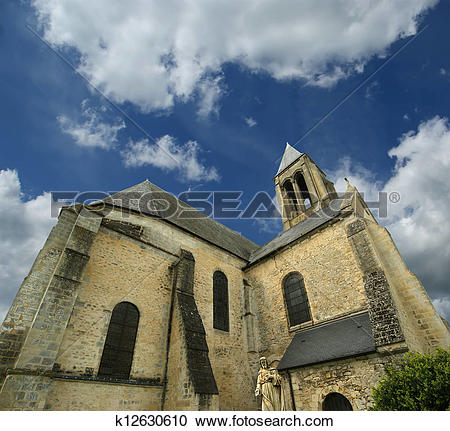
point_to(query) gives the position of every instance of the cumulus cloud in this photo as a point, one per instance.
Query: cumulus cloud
(167, 154)
(24, 227)
(93, 132)
(210, 91)
(251, 122)
(154, 54)
(419, 221)
(360, 177)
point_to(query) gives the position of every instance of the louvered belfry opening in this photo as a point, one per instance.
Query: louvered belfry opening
(118, 351)
(290, 194)
(296, 299)
(220, 301)
(301, 183)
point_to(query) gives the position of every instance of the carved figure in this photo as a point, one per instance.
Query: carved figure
(268, 385)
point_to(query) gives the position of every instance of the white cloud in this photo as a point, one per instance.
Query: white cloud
(154, 54)
(419, 221)
(269, 225)
(93, 132)
(250, 121)
(358, 176)
(170, 156)
(406, 117)
(210, 91)
(444, 72)
(24, 227)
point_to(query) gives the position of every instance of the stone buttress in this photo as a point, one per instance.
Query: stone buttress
(190, 382)
(33, 329)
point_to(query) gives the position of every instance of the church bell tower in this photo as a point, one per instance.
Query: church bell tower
(301, 187)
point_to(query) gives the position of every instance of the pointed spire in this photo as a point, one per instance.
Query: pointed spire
(290, 156)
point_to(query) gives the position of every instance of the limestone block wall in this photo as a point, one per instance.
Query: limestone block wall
(179, 391)
(333, 282)
(421, 324)
(120, 269)
(227, 350)
(384, 318)
(20, 316)
(85, 395)
(131, 262)
(190, 379)
(26, 385)
(353, 377)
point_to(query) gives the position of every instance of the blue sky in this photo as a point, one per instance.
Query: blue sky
(236, 93)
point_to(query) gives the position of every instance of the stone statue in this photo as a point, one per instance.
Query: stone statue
(268, 385)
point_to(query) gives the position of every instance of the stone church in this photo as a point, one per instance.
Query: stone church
(129, 307)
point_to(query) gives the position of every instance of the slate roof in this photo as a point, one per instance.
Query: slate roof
(307, 225)
(290, 156)
(149, 199)
(347, 337)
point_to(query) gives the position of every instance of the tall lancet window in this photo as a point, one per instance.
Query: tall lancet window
(296, 299)
(118, 351)
(220, 302)
(300, 180)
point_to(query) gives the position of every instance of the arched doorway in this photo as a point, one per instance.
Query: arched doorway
(336, 402)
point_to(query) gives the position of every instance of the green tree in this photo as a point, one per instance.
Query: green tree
(415, 382)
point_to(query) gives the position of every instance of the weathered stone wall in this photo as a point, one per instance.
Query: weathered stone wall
(120, 269)
(24, 307)
(333, 282)
(84, 270)
(227, 350)
(85, 395)
(133, 264)
(179, 391)
(354, 378)
(421, 324)
(386, 328)
(190, 379)
(38, 353)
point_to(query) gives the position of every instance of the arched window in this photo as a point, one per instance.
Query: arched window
(336, 402)
(220, 301)
(296, 299)
(290, 194)
(300, 180)
(118, 351)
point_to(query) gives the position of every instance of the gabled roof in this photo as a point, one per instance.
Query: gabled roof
(149, 199)
(340, 339)
(290, 156)
(330, 212)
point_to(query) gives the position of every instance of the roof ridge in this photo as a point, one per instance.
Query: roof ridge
(211, 229)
